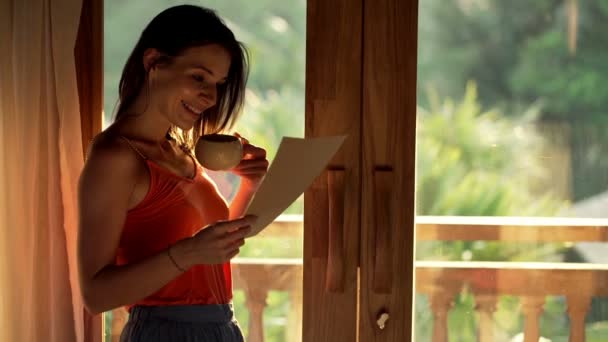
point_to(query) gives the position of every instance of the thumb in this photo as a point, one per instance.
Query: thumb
(232, 225)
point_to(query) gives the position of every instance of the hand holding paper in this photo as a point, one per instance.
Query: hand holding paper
(297, 163)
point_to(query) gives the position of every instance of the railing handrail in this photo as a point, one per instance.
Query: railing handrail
(513, 265)
(488, 220)
(522, 221)
(475, 228)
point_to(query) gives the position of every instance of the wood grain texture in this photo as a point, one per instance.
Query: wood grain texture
(333, 107)
(389, 140)
(335, 251)
(384, 205)
(88, 54)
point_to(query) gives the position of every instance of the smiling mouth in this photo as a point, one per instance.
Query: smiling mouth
(193, 110)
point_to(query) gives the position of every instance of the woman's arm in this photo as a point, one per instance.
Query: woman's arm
(105, 187)
(241, 201)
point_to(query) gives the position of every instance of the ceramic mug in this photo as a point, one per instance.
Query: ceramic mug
(219, 151)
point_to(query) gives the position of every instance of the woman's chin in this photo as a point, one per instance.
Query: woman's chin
(185, 123)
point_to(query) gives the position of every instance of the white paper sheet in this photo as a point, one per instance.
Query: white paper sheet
(296, 165)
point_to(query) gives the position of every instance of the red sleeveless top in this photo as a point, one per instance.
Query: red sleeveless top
(175, 208)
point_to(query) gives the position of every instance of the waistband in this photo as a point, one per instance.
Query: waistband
(212, 313)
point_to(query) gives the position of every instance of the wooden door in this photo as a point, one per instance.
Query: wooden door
(388, 169)
(332, 205)
(359, 214)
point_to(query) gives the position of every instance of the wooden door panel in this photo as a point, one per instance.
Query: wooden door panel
(331, 206)
(389, 121)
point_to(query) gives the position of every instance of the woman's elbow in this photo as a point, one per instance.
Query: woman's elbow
(92, 309)
(92, 302)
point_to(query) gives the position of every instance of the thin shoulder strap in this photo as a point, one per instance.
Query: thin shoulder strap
(134, 148)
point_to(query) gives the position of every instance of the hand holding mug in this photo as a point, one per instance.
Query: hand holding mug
(253, 165)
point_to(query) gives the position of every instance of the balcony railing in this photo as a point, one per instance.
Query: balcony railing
(441, 281)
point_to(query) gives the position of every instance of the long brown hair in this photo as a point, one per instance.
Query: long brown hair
(171, 32)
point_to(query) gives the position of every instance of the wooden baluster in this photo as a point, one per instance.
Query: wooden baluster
(486, 305)
(119, 320)
(577, 311)
(441, 302)
(532, 307)
(256, 294)
(294, 320)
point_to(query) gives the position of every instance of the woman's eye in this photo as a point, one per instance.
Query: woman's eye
(198, 78)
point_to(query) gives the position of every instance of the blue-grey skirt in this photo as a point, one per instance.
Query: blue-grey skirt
(181, 323)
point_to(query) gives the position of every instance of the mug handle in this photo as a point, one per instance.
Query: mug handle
(243, 140)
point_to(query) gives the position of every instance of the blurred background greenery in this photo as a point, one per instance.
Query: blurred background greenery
(510, 123)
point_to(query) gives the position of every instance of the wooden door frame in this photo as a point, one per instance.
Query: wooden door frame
(88, 54)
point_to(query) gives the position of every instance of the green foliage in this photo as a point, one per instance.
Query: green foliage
(575, 82)
(517, 51)
(476, 162)
(472, 162)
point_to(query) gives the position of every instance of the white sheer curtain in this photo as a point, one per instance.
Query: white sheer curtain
(40, 158)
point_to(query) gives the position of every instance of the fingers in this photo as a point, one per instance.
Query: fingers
(236, 244)
(233, 242)
(251, 163)
(252, 172)
(253, 151)
(234, 247)
(234, 237)
(222, 240)
(232, 254)
(225, 227)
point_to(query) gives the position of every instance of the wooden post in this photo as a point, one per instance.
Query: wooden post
(532, 307)
(120, 317)
(88, 58)
(294, 319)
(255, 300)
(88, 54)
(486, 305)
(578, 306)
(441, 302)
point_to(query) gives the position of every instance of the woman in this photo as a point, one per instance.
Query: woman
(155, 235)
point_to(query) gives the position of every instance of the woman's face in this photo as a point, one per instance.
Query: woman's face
(183, 89)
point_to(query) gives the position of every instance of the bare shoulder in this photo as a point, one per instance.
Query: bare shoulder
(105, 186)
(109, 156)
(111, 148)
